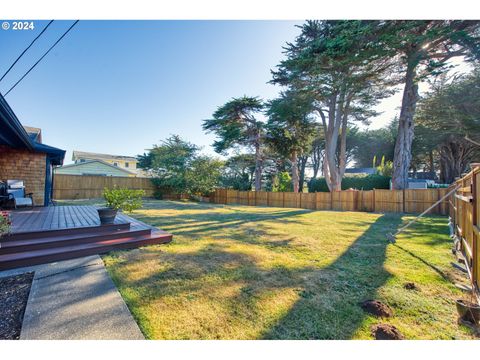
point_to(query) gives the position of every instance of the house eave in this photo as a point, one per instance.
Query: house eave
(13, 134)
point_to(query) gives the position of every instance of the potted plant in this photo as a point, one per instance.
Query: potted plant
(119, 199)
(5, 223)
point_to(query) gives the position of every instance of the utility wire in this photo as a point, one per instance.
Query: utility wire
(24, 51)
(51, 47)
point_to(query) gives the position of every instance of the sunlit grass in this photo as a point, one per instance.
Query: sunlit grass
(236, 272)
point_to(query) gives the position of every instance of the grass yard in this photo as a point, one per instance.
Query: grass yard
(238, 272)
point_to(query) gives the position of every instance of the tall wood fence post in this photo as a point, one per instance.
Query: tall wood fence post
(476, 233)
(373, 201)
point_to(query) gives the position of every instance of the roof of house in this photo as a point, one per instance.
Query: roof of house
(34, 133)
(89, 155)
(103, 163)
(13, 134)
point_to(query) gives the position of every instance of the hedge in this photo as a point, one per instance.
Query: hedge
(368, 182)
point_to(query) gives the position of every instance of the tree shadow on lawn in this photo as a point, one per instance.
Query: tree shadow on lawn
(205, 222)
(327, 297)
(329, 305)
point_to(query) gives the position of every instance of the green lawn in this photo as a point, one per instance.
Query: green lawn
(238, 272)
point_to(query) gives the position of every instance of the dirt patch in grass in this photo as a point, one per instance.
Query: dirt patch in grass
(377, 308)
(410, 286)
(14, 292)
(386, 332)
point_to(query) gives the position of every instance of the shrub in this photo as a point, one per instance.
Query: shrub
(239, 182)
(385, 168)
(283, 182)
(5, 223)
(369, 182)
(123, 199)
(160, 190)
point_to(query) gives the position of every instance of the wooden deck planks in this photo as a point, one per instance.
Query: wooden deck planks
(42, 235)
(63, 217)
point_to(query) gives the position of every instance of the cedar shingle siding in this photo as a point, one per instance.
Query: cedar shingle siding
(19, 164)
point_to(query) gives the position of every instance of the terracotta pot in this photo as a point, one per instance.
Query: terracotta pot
(468, 311)
(107, 215)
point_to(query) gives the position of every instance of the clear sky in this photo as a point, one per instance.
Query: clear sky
(118, 87)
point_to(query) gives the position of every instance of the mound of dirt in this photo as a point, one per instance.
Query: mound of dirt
(410, 286)
(376, 308)
(386, 332)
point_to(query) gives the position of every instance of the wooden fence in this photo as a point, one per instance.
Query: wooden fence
(465, 217)
(408, 201)
(68, 187)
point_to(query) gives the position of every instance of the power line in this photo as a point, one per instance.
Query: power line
(24, 51)
(51, 47)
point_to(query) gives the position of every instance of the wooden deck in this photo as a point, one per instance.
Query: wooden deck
(62, 217)
(56, 233)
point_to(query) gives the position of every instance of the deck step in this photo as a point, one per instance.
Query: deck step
(35, 257)
(66, 231)
(72, 238)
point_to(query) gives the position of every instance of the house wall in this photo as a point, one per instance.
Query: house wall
(24, 165)
(121, 163)
(132, 164)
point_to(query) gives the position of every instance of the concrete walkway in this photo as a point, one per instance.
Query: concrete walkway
(75, 299)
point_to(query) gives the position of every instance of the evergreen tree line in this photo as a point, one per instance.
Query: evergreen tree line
(332, 78)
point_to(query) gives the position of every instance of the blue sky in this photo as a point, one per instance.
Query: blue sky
(118, 87)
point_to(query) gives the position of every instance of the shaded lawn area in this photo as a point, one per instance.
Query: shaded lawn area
(238, 272)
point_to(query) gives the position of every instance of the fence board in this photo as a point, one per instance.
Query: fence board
(418, 200)
(232, 197)
(68, 187)
(290, 200)
(365, 201)
(476, 224)
(411, 201)
(243, 197)
(275, 199)
(323, 200)
(308, 201)
(388, 200)
(465, 216)
(261, 198)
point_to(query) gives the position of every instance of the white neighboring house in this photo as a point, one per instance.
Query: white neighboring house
(128, 163)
